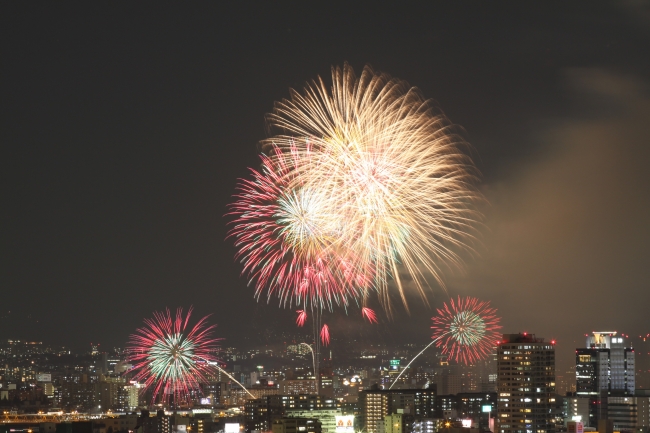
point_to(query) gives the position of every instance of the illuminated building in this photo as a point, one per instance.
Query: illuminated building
(392, 424)
(643, 410)
(298, 386)
(576, 408)
(326, 417)
(239, 396)
(260, 413)
(605, 365)
(158, 424)
(257, 415)
(525, 384)
(605, 368)
(295, 425)
(427, 425)
(376, 404)
(298, 349)
(326, 382)
(446, 406)
(215, 391)
(374, 407)
(622, 412)
(477, 406)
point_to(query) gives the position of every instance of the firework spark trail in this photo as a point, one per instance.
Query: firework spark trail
(216, 365)
(411, 362)
(466, 330)
(170, 358)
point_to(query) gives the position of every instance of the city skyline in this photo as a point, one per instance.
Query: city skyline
(126, 136)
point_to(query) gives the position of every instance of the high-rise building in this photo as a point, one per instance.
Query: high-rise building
(605, 368)
(525, 384)
(375, 404)
(257, 415)
(605, 365)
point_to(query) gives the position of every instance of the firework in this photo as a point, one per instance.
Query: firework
(390, 170)
(284, 235)
(466, 330)
(369, 315)
(364, 186)
(302, 317)
(171, 358)
(325, 335)
(364, 183)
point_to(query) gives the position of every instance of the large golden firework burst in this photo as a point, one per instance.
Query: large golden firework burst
(390, 170)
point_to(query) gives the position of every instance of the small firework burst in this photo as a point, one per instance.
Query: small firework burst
(466, 330)
(171, 358)
(302, 317)
(369, 315)
(325, 335)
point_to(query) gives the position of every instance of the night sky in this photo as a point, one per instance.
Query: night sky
(126, 125)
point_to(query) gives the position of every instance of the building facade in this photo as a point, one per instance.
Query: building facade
(604, 369)
(376, 404)
(296, 425)
(525, 384)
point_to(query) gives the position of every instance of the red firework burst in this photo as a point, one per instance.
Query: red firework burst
(325, 335)
(281, 248)
(466, 330)
(302, 317)
(369, 315)
(170, 358)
